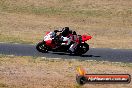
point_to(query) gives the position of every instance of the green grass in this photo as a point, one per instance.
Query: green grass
(124, 64)
(33, 58)
(13, 39)
(3, 85)
(78, 86)
(63, 11)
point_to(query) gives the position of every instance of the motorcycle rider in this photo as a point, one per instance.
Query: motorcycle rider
(58, 39)
(66, 40)
(74, 39)
(64, 35)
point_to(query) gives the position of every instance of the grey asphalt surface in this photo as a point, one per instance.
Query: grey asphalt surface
(99, 54)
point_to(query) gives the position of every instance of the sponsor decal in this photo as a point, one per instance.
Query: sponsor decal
(82, 78)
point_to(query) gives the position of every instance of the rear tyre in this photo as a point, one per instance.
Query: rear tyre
(41, 47)
(81, 49)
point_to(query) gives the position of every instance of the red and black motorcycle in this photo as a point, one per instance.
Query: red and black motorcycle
(49, 44)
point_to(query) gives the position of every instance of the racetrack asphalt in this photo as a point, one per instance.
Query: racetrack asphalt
(99, 54)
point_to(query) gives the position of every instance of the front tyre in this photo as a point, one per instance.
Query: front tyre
(41, 47)
(81, 49)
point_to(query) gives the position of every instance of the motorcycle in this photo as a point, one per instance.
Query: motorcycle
(49, 44)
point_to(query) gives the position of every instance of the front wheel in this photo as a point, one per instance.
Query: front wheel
(41, 47)
(81, 49)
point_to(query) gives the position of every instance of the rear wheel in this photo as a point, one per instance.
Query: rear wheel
(81, 49)
(41, 47)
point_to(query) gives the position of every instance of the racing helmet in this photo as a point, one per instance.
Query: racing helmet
(65, 29)
(55, 31)
(74, 33)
